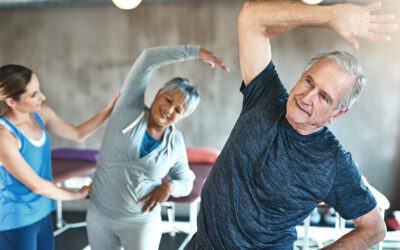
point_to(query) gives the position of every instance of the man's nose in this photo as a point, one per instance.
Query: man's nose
(309, 97)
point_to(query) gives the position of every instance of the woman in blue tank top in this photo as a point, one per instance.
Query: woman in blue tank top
(26, 188)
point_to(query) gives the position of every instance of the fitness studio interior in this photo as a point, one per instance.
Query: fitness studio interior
(82, 50)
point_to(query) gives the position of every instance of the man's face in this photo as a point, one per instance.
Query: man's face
(313, 100)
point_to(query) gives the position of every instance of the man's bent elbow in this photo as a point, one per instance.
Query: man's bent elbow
(253, 18)
(378, 233)
(381, 231)
(247, 13)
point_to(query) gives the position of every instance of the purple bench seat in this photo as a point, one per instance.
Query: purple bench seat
(68, 162)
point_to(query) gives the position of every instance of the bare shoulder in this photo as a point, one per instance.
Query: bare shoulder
(4, 132)
(7, 138)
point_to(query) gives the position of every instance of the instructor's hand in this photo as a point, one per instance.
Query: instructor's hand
(160, 194)
(352, 22)
(84, 191)
(110, 105)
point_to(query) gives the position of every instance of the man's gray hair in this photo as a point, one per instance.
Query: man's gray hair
(350, 64)
(190, 93)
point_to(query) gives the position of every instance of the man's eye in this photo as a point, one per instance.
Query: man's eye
(178, 111)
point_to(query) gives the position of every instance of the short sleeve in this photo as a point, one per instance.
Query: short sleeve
(264, 88)
(349, 195)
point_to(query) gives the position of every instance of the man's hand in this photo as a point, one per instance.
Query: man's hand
(352, 22)
(160, 194)
(211, 59)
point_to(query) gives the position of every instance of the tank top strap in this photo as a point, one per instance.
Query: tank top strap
(39, 120)
(11, 126)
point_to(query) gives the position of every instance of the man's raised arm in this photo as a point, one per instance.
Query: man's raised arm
(259, 20)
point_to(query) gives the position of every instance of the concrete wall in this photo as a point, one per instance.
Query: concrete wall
(82, 56)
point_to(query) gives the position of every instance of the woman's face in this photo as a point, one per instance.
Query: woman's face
(167, 108)
(32, 99)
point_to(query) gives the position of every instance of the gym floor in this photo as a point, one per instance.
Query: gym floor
(76, 239)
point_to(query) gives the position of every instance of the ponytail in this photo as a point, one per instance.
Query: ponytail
(3, 108)
(13, 82)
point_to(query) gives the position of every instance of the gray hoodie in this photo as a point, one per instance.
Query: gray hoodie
(122, 178)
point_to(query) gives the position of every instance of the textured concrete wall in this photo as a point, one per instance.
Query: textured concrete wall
(82, 56)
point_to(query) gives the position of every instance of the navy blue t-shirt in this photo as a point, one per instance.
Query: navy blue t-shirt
(268, 177)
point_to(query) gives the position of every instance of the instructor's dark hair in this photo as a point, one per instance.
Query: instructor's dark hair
(13, 82)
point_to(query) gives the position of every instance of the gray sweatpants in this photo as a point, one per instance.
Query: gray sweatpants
(107, 234)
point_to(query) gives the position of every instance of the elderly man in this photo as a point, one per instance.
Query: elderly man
(280, 160)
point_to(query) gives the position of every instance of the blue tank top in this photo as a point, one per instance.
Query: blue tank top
(19, 206)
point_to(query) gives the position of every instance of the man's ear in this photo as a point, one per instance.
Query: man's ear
(338, 114)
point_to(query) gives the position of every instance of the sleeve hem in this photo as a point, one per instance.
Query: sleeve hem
(194, 51)
(363, 210)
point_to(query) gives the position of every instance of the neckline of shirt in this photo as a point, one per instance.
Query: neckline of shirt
(293, 133)
(37, 143)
